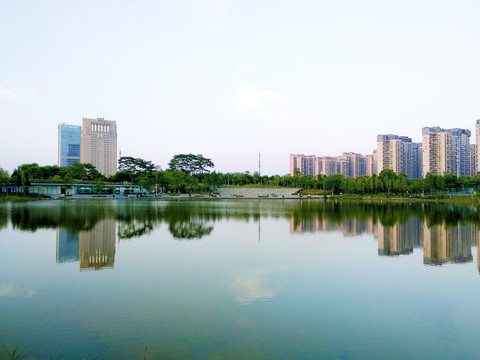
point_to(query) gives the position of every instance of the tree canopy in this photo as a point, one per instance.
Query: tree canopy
(134, 169)
(4, 178)
(190, 173)
(190, 163)
(134, 165)
(80, 171)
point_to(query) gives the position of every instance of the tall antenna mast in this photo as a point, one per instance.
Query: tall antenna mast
(259, 165)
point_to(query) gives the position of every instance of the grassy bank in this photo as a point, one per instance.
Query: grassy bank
(15, 353)
(466, 200)
(19, 198)
(254, 186)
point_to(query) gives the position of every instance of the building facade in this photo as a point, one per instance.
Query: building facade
(477, 146)
(304, 164)
(356, 164)
(371, 163)
(348, 164)
(99, 145)
(400, 154)
(446, 151)
(415, 168)
(473, 160)
(330, 165)
(69, 139)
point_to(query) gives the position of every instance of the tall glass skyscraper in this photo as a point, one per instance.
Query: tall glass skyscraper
(69, 138)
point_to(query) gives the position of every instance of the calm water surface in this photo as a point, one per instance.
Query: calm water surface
(245, 279)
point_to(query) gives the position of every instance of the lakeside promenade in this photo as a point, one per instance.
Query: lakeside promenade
(220, 193)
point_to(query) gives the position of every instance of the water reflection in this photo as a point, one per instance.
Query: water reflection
(94, 249)
(399, 239)
(250, 285)
(88, 230)
(97, 246)
(350, 227)
(134, 228)
(446, 236)
(452, 244)
(187, 230)
(67, 246)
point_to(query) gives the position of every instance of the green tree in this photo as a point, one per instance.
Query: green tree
(473, 183)
(4, 178)
(67, 182)
(363, 184)
(333, 183)
(48, 172)
(33, 172)
(24, 173)
(80, 171)
(451, 182)
(348, 185)
(135, 167)
(400, 185)
(416, 186)
(388, 178)
(180, 181)
(434, 183)
(190, 163)
(377, 184)
(212, 180)
(257, 178)
(241, 178)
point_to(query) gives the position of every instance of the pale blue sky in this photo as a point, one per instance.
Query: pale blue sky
(228, 79)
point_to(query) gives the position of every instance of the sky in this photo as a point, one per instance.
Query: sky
(231, 79)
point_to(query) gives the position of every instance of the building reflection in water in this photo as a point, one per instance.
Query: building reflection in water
(399, 239)
(349, 227)
(95, 248)
(454, 244)
(67, 246)
(441, 244)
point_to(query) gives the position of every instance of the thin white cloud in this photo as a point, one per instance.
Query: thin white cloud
(243, 67)
(251, 287)
(242, 321)
(33, 90)
(221, 7)
(15, 291)
(252, 102)
(218, 29)
(8, 94)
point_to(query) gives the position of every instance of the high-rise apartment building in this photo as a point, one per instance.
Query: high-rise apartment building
(446, 151)
(304, 164)
(477, 146)
(371, 164)
(330, 165)
(400, 154)
(99, 145)
(69, 137)
(356, 164)
(348, 164)
(473, 160)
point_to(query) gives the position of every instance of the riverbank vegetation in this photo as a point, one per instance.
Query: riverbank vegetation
(189, 173)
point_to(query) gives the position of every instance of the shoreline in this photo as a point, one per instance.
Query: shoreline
(461, 200)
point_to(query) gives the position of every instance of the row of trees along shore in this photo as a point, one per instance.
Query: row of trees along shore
(189, 173)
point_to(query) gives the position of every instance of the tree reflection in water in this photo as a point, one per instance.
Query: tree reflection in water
(195, 219)
(446, 232)
(189, 230)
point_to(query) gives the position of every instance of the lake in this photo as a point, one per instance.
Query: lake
(239, 279)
